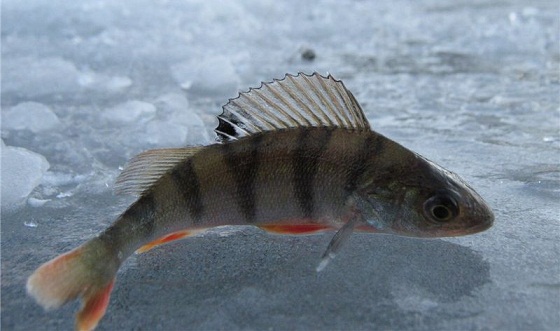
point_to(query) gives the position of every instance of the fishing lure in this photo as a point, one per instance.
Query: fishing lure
(295, 156)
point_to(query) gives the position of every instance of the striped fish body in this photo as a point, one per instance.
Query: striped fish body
(279, 176)
(295, 156)
(296, 176)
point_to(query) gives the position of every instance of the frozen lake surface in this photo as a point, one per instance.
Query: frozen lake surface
(473, 86)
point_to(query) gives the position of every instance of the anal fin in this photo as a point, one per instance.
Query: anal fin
(167, 238)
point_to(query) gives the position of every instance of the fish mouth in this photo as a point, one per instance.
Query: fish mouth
(463, 231)
(482, 226)
(475, 227)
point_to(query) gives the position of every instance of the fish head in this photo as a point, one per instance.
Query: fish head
(423, 199)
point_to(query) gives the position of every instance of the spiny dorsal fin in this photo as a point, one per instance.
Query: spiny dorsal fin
(147, 167)
(294, 101)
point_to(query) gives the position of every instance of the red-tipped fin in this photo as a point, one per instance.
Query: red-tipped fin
(295, 229)
(167, 238)
(48, 284)
(93, 308)
(87, 271)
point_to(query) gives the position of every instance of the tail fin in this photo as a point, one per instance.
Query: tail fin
(87, 272)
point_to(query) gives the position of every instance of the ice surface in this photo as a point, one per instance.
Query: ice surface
(472, 85)
(22, 171)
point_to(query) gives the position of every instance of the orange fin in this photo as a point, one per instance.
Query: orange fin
(295, 228)
(87, 272)
(93, 308)
(165, 239)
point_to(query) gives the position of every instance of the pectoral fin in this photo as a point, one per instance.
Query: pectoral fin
(339, 238)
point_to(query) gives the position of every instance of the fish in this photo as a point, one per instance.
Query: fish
(294, 156)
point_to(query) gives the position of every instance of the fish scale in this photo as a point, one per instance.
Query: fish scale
(295, 156)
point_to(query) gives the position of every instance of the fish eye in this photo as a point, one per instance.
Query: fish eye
(441, 208)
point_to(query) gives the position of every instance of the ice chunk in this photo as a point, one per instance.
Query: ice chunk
(175, 124)
(32, 77)
(182, 119)
(22, 171)
(32, 116)
(165, 133)
(168, 122)
(96, 81)
(130, 112)
(36, 77)
(172, 103)
(214, 76)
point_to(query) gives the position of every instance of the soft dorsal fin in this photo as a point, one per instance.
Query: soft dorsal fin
(147, 167)
(294, 101)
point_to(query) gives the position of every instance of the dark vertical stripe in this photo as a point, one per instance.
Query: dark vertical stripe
(242, 159)
(143, 212)
(186, 179)
(138, 221)
(372, 145)
(311, 144)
